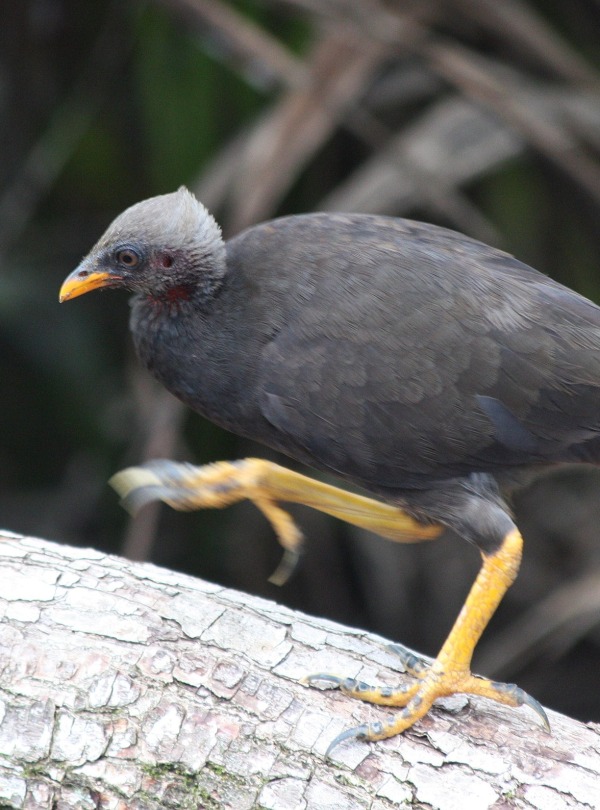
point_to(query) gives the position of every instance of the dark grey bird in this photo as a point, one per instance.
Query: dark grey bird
(425, 367)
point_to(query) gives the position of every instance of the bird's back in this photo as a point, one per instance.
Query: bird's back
(398, 353)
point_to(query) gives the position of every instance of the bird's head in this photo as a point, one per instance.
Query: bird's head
(159, 245)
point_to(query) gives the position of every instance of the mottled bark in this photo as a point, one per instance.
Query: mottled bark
(127, 686)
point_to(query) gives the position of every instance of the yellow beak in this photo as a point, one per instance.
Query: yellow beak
(82, 281)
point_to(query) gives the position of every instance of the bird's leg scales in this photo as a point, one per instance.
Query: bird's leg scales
(450, 672)
(185, 487)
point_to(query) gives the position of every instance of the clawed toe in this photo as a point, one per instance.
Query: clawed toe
(413, 664)
(380, 695)
(334, 681)
(357, 733)
(417, 698)
(286, 567)
(379, 730)
(516, 697)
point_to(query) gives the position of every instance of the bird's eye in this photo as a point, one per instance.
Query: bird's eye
(128, 257)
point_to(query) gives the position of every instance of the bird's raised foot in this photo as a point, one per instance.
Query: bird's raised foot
(185, 487)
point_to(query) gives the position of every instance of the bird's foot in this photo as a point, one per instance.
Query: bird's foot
(450, 672)
(186, 487)
(430, 683)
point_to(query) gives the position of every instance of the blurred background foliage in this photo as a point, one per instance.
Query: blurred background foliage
(478, 115)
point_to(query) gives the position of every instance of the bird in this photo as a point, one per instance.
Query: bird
(427, 370)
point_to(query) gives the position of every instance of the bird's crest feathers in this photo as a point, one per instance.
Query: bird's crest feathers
(175, 220)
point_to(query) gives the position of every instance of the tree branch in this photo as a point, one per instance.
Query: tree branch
(128, 686)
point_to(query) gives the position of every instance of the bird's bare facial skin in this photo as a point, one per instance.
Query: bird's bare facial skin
(83, 281)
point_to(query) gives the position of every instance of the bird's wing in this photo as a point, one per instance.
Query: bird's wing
(432, 362)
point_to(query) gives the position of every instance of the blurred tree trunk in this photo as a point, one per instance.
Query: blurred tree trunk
(129, 686)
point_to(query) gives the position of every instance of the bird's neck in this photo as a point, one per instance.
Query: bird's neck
(171, 298)
(178, 296)
(205, 355)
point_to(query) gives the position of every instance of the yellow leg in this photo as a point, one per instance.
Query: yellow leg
(186, 487)
(450, 672)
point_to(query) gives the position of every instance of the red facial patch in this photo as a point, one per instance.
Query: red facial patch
(172, 297)
(174, 294)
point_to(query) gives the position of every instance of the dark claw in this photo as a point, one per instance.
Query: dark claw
(358, 733)
(537, 707)
(334, 680)
(286, 567)
(411, 662)
(521, 698)
(139, 497)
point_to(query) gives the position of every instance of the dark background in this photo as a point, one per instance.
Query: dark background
(481, 116)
